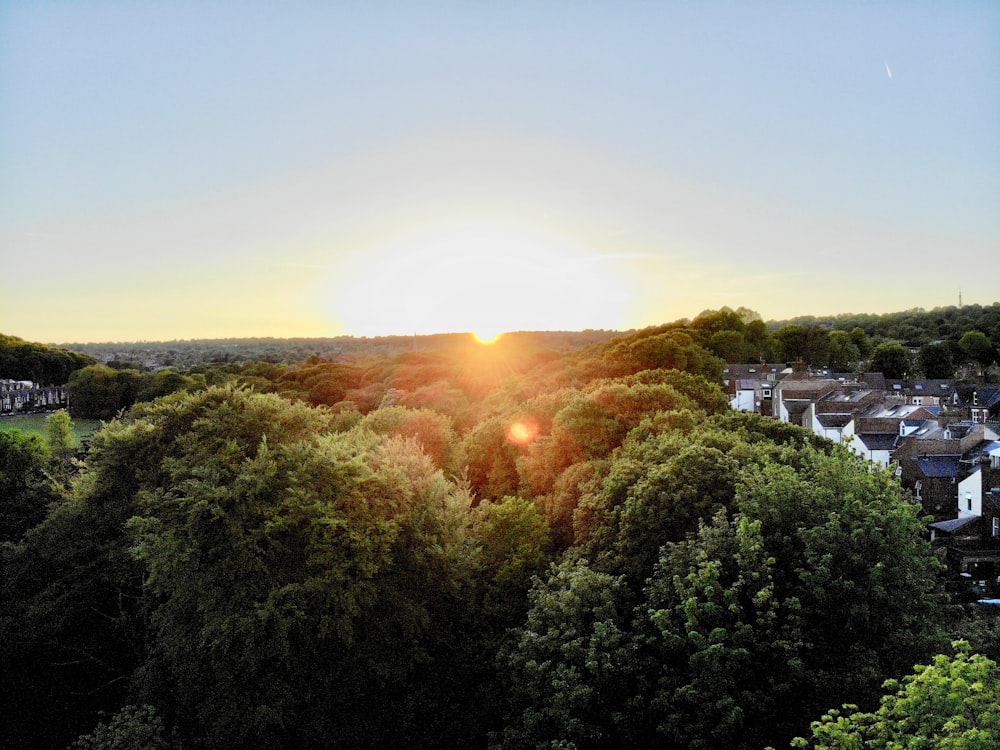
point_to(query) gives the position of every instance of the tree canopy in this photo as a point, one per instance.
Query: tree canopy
(510, 546)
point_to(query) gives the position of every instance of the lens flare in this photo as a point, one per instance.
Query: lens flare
(523, 430)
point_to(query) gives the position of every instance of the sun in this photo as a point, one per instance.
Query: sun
(485, 279)
(487, 336)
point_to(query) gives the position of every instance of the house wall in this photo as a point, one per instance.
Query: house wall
(970, 495)
(744, 400)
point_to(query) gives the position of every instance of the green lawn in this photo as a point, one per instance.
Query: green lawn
(36, 423)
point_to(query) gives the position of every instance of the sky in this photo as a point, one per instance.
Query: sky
(216, 169)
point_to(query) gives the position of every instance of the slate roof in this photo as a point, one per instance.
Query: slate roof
(988, 396)
(834, 420)
(939, 388)
(879, 441)
(954, 524)
(940, 465)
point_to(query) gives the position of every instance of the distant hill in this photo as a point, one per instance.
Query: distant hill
(39, 363)
(188, 353)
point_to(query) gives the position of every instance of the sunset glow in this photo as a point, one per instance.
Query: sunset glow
(370, 170)
(478, 278)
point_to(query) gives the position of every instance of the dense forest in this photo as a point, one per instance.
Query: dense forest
(524, 545)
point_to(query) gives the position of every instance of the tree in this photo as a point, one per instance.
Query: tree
(807, 343)
(564, 674)
(949, 703)
(513, 544)
(935, 361)
(892, 360)
(844, 352)
(860, 339)
(793, 575)
(101, 392)
(297, 578)
(25, 488)
(133, 727)
(978, 348)
(62, 443)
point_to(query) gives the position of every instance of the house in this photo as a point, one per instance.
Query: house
(833, 414)
(984, 405)
(792, 397)
(934, 460)
(21, 395)
(750, 386)
(972, 538)
(878, 431)
(943, 393)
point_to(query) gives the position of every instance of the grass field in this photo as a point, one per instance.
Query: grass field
(36, 423)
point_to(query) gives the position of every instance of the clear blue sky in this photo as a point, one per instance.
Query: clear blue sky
(196, 169)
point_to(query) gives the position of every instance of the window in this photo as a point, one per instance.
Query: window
(996, 527)
(918, 400)
(767, 393)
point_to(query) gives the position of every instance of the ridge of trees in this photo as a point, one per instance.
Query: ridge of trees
(38, 363)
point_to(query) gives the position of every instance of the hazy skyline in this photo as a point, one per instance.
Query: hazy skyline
(195, 170)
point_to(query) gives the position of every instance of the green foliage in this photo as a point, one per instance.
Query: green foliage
(892, 360)
(935, 361)
(101, 392)
(487, 459)
(332, 554)
(565, 670)
(514, 545)
(915, 327)
(977, 347)
(950, 703)
(622, 561)
(652, 349)
(729, 642)
(844, 354)
(793, 575)
(61, 439)
(25, 488)
(132, 728)
(432, 431)
(809, 344)
(22, 360)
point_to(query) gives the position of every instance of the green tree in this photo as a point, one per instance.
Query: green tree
(949, 703)
(978, 348)
(935, 361)
(860, 339)
(892, 360)
(844, 352)
(132, 728)
(62, 444)
(721, 625)
(514, 544)
(101, 392)
(564, 674)
(25, 488)
(298, 577)
(808, 343)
